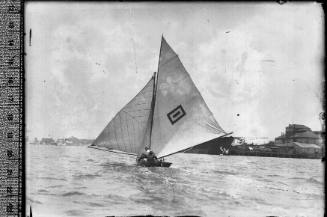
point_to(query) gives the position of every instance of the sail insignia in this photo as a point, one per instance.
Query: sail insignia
(176, 114)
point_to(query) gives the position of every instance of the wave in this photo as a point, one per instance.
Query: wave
(298, 178)
(118, 168)
(75, 212)
(55, 186)
(273, 175)
(95, 204)
(314, 181)
(259, 201)
(72, 193)
(224, 172)
(86, 176)
(278, 189)
(313, 196)
(309, 180)
(114, 165)
(52, 178)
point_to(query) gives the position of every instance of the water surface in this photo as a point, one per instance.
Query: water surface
(79, 181)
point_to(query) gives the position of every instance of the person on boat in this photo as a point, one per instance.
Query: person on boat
(148, 155)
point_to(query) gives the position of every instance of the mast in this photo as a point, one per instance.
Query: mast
(155, 76)
(152, 104)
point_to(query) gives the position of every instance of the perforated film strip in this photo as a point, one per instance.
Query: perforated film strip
(12, 200)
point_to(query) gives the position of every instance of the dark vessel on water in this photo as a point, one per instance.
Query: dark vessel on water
(217, 146)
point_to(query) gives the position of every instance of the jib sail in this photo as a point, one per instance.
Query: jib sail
(129, 130)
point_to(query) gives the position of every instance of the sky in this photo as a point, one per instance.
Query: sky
(258, 66)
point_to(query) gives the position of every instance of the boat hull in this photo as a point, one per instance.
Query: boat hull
(213, 147)
(158, 163)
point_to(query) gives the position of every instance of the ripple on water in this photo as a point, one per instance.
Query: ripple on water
(115, 199)
(42, 191)
(72, 193)
(75, 212)
(314, 181)
(86, 176)
(55, 186)
(310, 180)
(53, 178)
(92, 204)
(224, 172)
(117, 166)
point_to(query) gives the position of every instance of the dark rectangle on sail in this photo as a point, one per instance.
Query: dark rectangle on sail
(176, 114)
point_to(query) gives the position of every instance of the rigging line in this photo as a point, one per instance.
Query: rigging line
(226, 134)
(116, 152)
(95, 147)
(212, 127)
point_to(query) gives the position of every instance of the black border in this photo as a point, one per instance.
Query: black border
(177, 119)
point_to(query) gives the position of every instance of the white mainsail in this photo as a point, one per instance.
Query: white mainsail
(129, 130)
(181, 118)
(168, 114)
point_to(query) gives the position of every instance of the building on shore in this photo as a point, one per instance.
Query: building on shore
(298, 133)
(35, 141)
(300, 140)
(73, 141)
(47, 141)
(61, 142)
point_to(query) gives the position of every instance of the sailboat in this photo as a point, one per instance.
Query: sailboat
(168, 115)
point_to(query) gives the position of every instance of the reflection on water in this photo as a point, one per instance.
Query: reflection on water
(78, 181)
